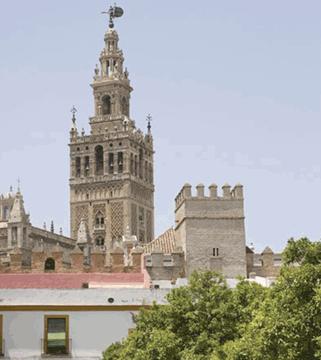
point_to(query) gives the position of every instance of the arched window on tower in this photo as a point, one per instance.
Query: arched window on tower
(14, 236)
(99, 159)
(111, 163)
(107, 68)
(100, 241)
(124, 107)
(120, 161)
(131, 164)
(99, 220)
(78, 166)
(50, 264)
(106, 108)
(135, 165)
(140, 164)
(5, 213)
(146, 171)
(87, 167)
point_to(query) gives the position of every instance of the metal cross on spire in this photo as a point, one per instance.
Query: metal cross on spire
(113, 12)
(149, 120)
(73, 111)
(19, 183)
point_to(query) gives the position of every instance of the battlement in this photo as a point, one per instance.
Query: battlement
(228, 193)
(163, 266)
(266, 264)
(56, 260)
(117, 128)
(7, 196)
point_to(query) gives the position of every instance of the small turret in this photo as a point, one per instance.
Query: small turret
(18, 224)
(18, 214)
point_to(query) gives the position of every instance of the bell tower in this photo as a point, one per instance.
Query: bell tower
(111, 169)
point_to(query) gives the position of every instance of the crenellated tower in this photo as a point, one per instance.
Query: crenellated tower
(111, 181)
(210, 229)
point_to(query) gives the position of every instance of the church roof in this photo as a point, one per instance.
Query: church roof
(165, 243)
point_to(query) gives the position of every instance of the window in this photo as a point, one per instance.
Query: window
(24, 237)
(216, 252)
(141, 216)
(146, 172)
(14, 236)
(124, 106)
(87, 168)
(141, 236)
(99, 157)
(106, 105)
(56, 339)
(99, 220)
(141, 163)
(120, 162)
(78, 166)
(111, 163)
(5, 213)
(150, 173)
(132, 164)
(100, 241)
(135, 165)
(168, 262)
(50, 264)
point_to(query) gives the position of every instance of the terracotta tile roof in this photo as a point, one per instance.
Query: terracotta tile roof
(165, 242)
(67, 281)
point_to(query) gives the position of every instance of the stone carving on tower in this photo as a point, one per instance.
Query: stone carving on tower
(111, 182)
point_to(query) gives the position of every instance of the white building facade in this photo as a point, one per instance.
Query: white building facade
(73, 323)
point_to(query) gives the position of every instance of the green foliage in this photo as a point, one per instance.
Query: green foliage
(302, 251)
(113, 352)
(199, 318)
(206, 320)
(287, 325)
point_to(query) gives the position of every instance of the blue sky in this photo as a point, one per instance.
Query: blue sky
(233, 86)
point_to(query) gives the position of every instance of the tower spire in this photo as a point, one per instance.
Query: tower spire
(73, 130)
(18, 183)
(73, 111)
(149, 125)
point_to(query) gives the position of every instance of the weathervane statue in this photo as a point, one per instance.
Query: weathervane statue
(113, 12)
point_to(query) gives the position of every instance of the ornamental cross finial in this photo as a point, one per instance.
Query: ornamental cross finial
(19, 183)
(73, 111)
(113, 12)
(149, 120)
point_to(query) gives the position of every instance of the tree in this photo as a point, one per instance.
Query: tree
(288, 323)
(198, 319)
(302, 251)
(207, 320)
